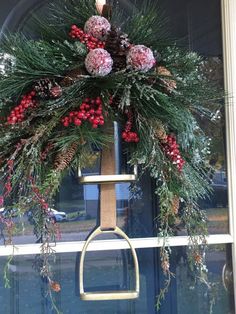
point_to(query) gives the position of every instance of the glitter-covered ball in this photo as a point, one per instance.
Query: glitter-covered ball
(98, 62)
(7, 64)
(98, 27)
(140, 58)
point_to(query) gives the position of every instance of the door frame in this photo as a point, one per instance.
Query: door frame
(228, 15)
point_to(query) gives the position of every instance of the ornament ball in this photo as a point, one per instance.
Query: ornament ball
(98, 27)
(98, 62)
(140, 58)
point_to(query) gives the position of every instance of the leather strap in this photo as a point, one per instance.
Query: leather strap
(107, 11)
(108, 191)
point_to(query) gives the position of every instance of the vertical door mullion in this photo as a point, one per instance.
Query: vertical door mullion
(228, 11)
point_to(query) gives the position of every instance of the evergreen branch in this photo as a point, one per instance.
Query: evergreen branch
(36, 60)
(144, 27)
(60, 16)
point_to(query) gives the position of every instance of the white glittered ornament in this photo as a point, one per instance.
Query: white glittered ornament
(98, 27)
(140, 58)
(98, 62)
(7, 63)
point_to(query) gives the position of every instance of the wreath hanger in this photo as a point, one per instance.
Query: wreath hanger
(108, 225)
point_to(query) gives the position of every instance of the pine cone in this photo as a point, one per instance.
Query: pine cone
(63, 159)
(161, 70)
(160, 133)
(168, 83)
(46, 89)
(72, 76)
(175, 205)
(117, 44)
(56, 91)
(197, 258)
(55, 286)
(115, 102)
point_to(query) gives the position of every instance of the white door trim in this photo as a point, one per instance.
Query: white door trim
(109, 245)
(228, 12)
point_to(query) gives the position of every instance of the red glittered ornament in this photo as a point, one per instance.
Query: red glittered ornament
(98, 62)
(140, 58)
(97, 26)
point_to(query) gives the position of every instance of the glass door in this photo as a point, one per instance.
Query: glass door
(199, 26)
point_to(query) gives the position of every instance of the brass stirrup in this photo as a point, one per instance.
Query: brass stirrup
(108, 225)
(108, 295)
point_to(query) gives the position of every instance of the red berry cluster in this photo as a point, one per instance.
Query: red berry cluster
(45, 152)
(8, 222)
(128, 135)
(8, 184)
(10, 226)
(10, 169)
(57, 230)
(171, 149)
(38, 196)
(90, 41)
(18, 113)
(90, 110)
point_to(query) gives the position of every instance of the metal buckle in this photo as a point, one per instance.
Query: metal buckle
(108, 295)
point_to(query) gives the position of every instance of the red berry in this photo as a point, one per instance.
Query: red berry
(80, 115)
(98, 101)
(77, 122)
(96, 121)
(14, 119)
(124, 135)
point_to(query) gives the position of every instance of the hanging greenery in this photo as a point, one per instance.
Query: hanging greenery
(59, 92)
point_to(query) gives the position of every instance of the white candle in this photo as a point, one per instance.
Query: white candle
(99, 5)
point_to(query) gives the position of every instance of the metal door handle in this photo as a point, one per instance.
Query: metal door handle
(227, 278)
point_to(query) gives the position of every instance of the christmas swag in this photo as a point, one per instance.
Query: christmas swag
(58, 94)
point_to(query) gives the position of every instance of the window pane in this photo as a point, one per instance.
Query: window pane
(76, 205)
(114, 270)
(197, 24)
